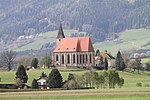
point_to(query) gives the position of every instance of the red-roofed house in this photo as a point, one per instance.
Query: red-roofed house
(73, 51)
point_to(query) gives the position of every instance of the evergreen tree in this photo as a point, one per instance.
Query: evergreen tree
(21, 74)
(120, 65)
(43, 75)
(34, 62)
(106, 64)
(34, 84)
(55, 79)
(97, 52)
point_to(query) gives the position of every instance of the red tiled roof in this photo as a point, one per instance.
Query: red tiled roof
(74, 44)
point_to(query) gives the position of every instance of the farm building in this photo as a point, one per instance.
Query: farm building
(73, 51)
(111, 60)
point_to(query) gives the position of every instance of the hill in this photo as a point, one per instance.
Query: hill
(128, 40)
(98, 18)
(37, 42)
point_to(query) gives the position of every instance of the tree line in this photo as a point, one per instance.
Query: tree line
(9, 61)
(90, 79)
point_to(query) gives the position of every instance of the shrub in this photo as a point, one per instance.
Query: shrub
(139, 84)
(34, 84)
(146, 85)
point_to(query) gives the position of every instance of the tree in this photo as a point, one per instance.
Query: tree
(120, 65)
(121, 82)
(43, 75)
(18, 82)
(34, 84)
(25, 60)
(147, 66)
(21, 74)
(46, 61)
(73, 82)
(55, 79)
(34, 62)
(97, 52)
(88, 79)
(7, 59)
(106, 64)
(138, 64)
(113, 78)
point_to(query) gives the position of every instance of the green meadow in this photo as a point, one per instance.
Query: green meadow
(130, 78)
(37, 42)
(130, 86)
(128, 40)
(92, 97)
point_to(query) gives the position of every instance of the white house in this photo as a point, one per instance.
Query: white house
(42, 82)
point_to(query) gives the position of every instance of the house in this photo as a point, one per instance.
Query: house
(42, 82)
(73, 51)
(111, 60)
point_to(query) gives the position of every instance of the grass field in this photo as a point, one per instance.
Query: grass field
(128, 40)
(130, 78)
(85, 97)
(97, 94)
(145, 60)
(128, 92)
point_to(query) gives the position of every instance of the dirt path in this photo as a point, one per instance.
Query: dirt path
(71, 94)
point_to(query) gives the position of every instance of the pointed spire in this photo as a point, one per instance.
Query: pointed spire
(60, 33)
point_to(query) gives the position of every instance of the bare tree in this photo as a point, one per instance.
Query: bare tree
(7, 58)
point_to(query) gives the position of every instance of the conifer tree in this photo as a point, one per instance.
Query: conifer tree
(97, 52)
(120, 65)
(55, 79)
(34, 84)
(106, 64)
(34, 62)
(21, 74)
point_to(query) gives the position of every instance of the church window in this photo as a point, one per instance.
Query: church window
(62, 58)
(77, 59)
(83, 59)
(80, 58)
(74, 58)
(56, 57)
(90, 58)
(86, 57)
(68, 56)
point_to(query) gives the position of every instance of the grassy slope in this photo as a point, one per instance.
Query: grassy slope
(45, 38)
(130, 39)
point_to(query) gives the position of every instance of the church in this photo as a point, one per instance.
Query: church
(73, 51)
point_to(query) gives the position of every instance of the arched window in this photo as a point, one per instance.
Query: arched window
(56, 57)
(68, 58)
(86, 57)
(62, 59)
(77, 59)
(74, 59)
(80, 58)
(83, 58)
(90, 58)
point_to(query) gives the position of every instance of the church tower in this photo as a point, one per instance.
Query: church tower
(60, 34)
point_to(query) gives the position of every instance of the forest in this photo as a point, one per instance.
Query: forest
(98, 18)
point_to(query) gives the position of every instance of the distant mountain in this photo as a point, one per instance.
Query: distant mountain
(96, 17)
